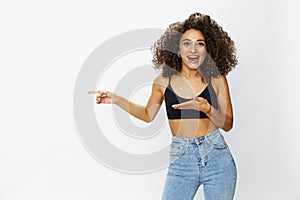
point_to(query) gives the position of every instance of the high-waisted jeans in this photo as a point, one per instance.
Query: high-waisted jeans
(195, 161)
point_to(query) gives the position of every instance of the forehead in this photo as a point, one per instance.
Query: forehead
(192, 34)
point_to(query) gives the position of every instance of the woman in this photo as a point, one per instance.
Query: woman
(195, 56)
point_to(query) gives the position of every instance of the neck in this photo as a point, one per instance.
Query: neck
(190, 73)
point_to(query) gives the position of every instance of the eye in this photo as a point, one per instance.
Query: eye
(186, 43)
(201, 44)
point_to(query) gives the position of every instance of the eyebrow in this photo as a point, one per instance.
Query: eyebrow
(191, 40)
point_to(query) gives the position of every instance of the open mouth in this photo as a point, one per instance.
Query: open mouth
(193, 59)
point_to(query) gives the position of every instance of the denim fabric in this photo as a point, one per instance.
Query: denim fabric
(205, 160)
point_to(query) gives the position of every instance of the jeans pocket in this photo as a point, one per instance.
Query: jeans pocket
(219, 143)
(177, 149)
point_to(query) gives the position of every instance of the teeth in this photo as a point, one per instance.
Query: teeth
(193, 57)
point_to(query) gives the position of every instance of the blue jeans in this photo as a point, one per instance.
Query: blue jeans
(195, 161)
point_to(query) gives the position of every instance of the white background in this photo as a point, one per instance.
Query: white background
(43, 45)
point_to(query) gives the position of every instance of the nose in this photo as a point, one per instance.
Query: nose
(193, 48)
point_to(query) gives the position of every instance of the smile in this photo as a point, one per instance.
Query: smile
(193, 59)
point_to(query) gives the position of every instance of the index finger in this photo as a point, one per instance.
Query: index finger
(94, 92)
(183, 105)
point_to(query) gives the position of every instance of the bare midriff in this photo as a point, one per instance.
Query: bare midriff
(191, 128)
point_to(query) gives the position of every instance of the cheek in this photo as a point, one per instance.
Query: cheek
(183, 50)
(203, 52)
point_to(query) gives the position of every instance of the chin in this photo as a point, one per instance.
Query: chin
(193, 66)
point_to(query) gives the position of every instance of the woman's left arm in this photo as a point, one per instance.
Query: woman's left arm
(224, 117)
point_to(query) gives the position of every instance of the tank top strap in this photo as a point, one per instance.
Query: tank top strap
(169, 84)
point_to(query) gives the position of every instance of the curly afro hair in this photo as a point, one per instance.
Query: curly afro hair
(220, 58)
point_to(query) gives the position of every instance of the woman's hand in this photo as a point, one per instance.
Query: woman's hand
(104, 97)
(198, 103)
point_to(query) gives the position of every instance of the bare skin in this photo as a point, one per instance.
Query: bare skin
(189, 84)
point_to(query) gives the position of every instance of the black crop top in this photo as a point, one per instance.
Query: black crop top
(171, 98)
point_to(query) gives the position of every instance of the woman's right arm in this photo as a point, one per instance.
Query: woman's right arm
(146, 113)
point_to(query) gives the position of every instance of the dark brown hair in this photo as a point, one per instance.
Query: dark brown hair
(220, 58)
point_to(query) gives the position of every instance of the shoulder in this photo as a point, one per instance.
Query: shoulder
(161, 83)
(219, 79)
(219, 82)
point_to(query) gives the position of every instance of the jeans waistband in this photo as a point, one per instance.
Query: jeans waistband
(211, 135)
